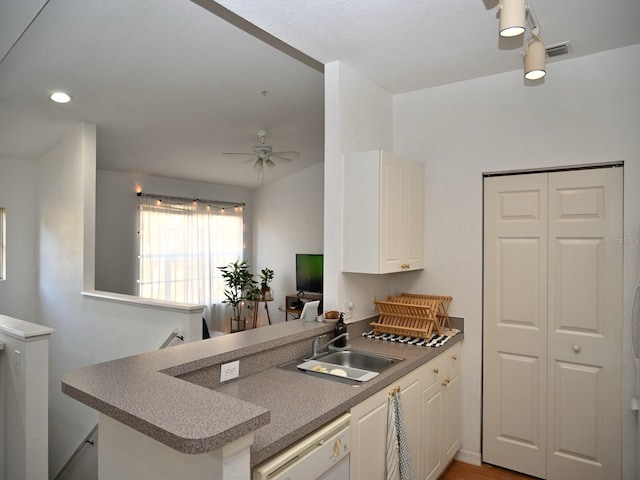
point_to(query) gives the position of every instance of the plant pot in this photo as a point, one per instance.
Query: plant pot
(240, 322)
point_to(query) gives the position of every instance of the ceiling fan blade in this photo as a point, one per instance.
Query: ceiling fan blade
(281, 158)
(285, 153)
(252, 159)
(237, 153)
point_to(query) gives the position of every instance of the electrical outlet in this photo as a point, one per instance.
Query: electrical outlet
(229, 371)
(347, 307)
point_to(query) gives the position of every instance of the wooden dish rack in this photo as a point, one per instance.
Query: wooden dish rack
(413, 314)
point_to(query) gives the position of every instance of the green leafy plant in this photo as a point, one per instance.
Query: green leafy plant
(266, 276)
(239, 286)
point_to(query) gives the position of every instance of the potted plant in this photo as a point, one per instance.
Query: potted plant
(266, 276)
(239, 285)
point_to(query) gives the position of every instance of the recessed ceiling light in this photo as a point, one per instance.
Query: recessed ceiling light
(60, 97)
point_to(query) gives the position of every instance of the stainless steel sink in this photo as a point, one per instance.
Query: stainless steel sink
(363, 360)
(348, 365)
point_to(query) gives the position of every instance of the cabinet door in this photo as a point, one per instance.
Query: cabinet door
(451, 415)
(369, 438)
(411, 395)
(369, 429)
(393, 214)
(432, 429)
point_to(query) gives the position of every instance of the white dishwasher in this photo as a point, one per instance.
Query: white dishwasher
(323, 455)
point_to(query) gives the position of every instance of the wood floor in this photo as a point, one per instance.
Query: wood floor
(465, 471)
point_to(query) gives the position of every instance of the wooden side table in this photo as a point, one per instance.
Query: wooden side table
(255, 311)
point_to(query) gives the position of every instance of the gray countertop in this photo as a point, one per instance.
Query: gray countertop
(174, 396)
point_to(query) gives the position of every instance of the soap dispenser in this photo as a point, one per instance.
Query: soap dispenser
(341, 328)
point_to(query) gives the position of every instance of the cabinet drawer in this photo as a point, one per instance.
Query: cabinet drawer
(440, 366)
(452, 357)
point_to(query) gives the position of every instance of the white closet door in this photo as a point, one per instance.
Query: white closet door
(552, 324)
(515, 323)
(585, 324)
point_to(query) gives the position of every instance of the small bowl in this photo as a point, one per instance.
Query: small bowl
(332, 315)
(322, 318)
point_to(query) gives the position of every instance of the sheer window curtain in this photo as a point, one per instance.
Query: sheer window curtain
(182, 244)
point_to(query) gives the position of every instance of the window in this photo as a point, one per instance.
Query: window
(182, 244)
(3, 244)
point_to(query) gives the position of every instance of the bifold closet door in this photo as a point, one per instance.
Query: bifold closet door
(552, 323)
(515, 323)
(584, 425)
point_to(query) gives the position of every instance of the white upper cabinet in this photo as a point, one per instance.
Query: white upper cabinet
(383, 213)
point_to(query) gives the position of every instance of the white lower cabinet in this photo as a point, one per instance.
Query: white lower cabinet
(369, 428)
(431, 410)
(441, 423)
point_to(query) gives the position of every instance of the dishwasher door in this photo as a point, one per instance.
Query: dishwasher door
(322, 455)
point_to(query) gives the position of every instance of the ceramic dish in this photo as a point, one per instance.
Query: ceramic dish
(321, 318)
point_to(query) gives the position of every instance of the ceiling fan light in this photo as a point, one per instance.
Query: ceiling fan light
(512, 17)
(270, 163)
(258, 165)
(535, 60)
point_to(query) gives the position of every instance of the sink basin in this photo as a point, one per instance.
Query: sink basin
(362, 360)
(348, 365)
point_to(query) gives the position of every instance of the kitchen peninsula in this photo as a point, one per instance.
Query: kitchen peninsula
(165, 413)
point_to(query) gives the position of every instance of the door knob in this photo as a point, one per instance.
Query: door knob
(576, 348)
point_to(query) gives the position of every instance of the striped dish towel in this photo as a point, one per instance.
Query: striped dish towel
(393, 459)
(399, 465)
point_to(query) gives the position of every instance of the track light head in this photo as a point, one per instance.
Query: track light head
(535, 59)
(513, 14)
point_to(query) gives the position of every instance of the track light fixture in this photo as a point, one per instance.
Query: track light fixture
(535, 54)
(535, 57)
(512, 17)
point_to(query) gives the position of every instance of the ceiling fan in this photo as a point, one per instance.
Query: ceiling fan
(263, 154)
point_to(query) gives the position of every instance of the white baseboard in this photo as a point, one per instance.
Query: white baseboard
(467, 456)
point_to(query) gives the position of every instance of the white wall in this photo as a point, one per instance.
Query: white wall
(586, 111)
(60, 188)
(358, 117)
(288, 219)
(88, 330)
(17, 192)
(116, 221)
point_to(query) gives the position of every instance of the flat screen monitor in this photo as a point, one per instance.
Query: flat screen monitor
(309, 272)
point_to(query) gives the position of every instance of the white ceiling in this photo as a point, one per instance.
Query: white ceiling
(171, 86)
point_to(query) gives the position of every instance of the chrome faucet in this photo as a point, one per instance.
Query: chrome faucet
(317, 348)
